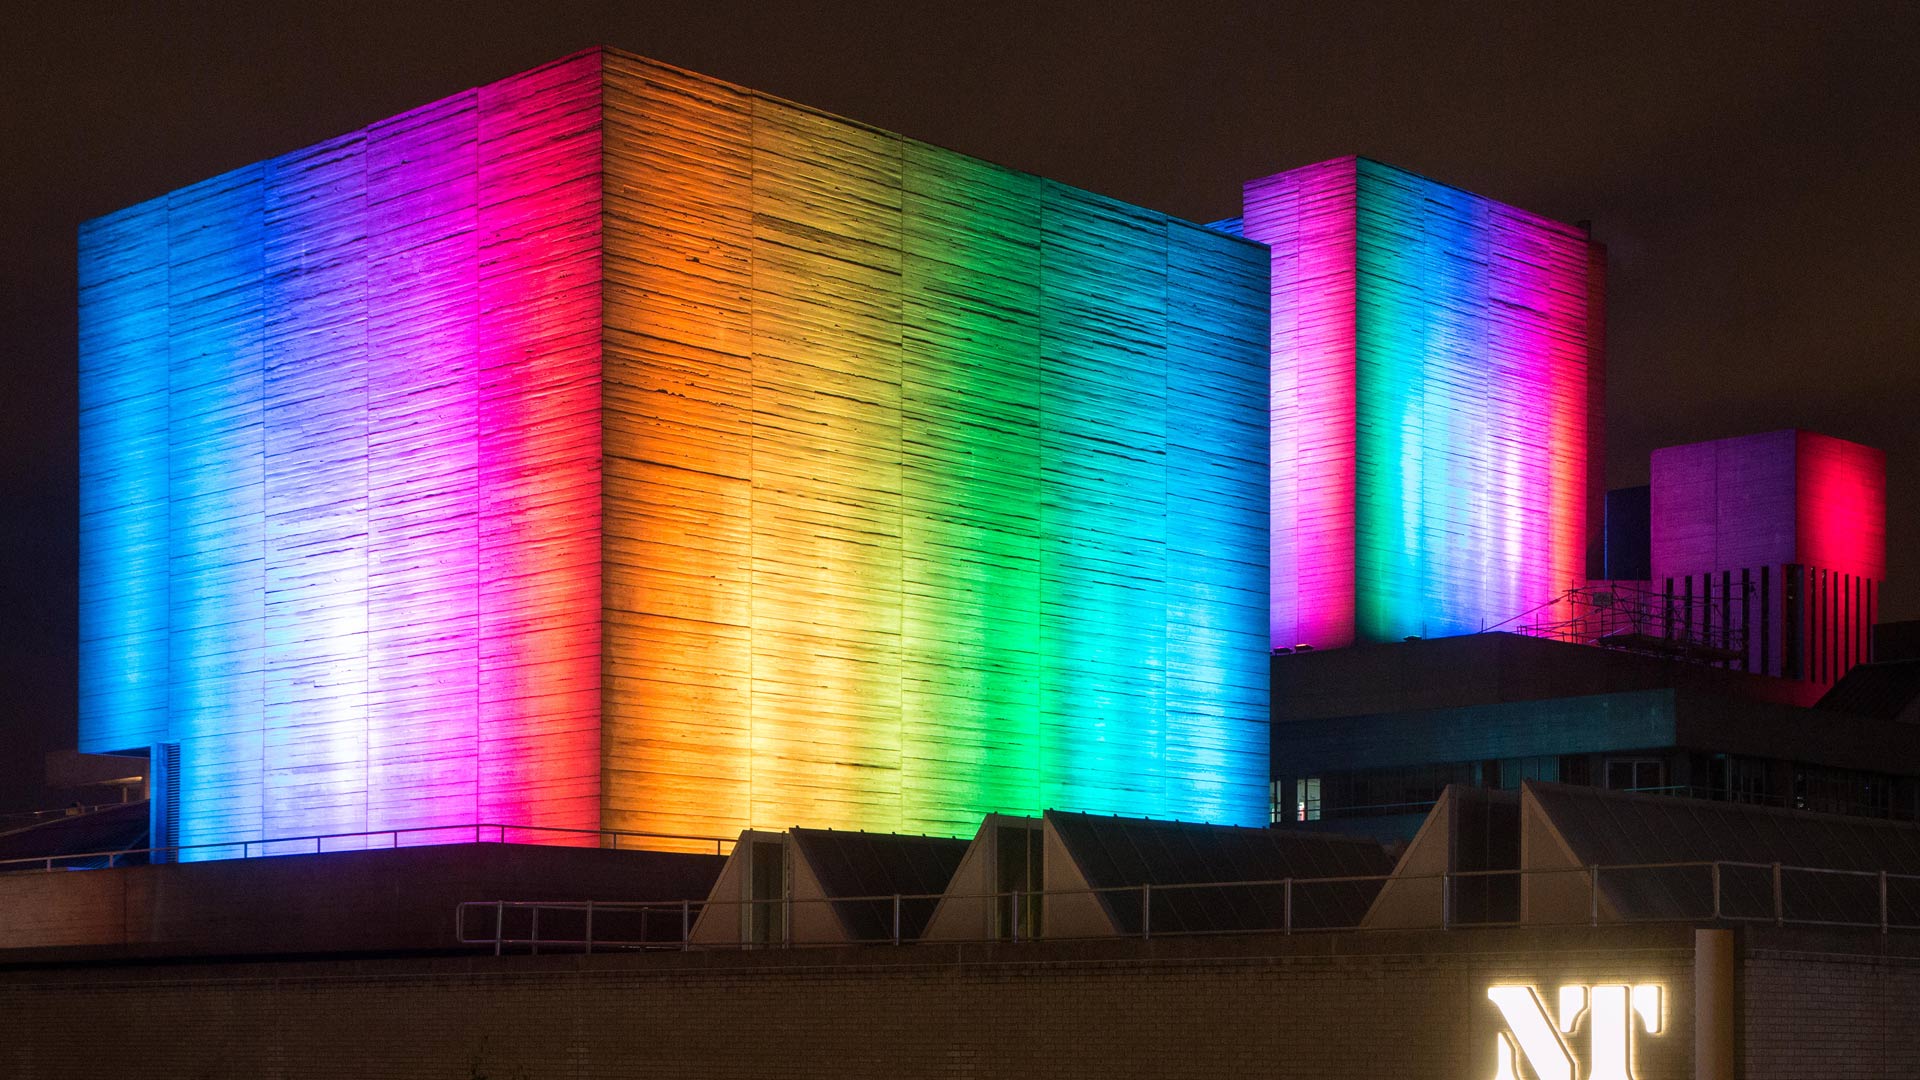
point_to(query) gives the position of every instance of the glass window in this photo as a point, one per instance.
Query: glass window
(1018, 879)
(767, 884)
(1635, 774)
(1308, 798)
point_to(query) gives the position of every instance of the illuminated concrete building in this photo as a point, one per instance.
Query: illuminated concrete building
(611, 451)
(614, 448)
(1722, 674)
(611, 448)
(1436, 400)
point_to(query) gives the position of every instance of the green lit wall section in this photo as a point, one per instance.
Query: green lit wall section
(933, 488)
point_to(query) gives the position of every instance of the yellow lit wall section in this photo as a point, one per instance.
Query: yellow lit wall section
(931, 489)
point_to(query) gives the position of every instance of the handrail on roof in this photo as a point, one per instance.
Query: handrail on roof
(1152, 904)
(421, 836)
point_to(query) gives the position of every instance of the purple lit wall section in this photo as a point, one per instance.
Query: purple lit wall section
(340, 443)
(1435, 363)
(1776, 544)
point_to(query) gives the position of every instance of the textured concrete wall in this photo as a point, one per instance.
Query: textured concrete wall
(1399, 1005)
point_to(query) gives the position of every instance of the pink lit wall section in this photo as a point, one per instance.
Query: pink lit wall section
(1841, 514)
(1308, 219)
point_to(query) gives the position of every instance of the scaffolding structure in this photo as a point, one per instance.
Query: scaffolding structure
(1634, 618)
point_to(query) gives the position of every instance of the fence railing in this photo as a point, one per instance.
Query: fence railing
(1719, 892)
(1637, 619)
(375, 840)
(27, 819)
(1886, 810)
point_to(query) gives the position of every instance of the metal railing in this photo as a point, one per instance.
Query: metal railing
(1326, 811)
(1721, 892)
(1886, 810)
(375, 840)
(27, 819)
(1635, 618)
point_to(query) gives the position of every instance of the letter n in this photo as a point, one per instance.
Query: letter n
(1527, 1020)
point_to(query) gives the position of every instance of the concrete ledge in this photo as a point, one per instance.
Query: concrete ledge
(343, 902)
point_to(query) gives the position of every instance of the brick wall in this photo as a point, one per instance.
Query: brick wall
(1380, 1005)
(1808, 1013)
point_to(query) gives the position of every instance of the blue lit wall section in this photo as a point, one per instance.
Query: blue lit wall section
(215, 468)
(314, 402)
(1216, 534)
(123, 479)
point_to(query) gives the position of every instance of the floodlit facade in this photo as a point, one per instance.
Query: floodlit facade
(1437, 389)
(614, 448)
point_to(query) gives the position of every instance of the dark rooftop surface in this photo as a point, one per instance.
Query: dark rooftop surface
(1125, 853)
(1884, 691)
(855, 864)
(113, 828)
(1482, 669)
(1830, 864)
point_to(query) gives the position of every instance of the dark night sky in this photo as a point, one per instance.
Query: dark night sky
(1753, 171)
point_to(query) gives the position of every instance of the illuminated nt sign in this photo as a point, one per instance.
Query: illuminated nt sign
(1613, 1014)
(614, 447)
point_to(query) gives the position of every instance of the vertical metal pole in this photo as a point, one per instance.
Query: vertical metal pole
(686, 925)
(1779, 902)
(1446, 900)
(1713, 1007)
(1016, 913)
(536, 930)
(896, 918)
(499, 924)
(1146, 910)
(1286, 904)
(590, 928)
(1883, 901)
(1593, 895)
(1716, 891)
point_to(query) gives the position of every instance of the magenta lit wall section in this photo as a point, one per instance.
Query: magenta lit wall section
(1841, 514)
(1435, 362)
